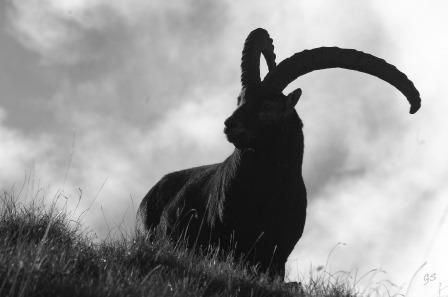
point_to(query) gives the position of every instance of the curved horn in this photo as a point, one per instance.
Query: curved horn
(257, 42)
(334, 57)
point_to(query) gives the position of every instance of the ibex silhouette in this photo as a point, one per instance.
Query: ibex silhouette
(255, 201)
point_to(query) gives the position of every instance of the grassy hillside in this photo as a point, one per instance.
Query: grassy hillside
(43, 253)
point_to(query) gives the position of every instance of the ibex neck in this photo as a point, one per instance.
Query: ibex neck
(271, 159)
(250, 175)
(283, 156)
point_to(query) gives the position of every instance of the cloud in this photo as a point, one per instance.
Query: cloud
(104, 53)
(127, 77)
(19, 152)
(76, 31)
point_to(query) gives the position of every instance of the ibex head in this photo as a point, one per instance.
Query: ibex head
(262, 106)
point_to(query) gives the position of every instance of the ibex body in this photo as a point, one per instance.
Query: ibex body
(255, 201)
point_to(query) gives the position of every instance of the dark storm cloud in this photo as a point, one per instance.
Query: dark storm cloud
(111, 74)
(26, 85)
(119, 67)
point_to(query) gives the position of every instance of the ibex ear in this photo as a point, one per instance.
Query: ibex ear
(293, 98)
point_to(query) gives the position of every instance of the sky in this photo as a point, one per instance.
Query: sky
(99, 99)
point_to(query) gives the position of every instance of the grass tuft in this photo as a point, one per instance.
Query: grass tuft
(43, 253)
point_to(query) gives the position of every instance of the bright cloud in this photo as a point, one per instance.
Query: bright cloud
(19, 153)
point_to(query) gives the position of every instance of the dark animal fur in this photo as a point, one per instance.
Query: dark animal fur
(254, 201)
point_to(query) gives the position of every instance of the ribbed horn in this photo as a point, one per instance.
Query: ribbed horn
(257, 42)
(333, 57)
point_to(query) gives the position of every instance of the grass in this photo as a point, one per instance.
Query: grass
(44, 253)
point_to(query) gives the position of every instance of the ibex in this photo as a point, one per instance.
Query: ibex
(255, 201)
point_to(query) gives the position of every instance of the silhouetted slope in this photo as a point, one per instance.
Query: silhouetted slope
(43, 254)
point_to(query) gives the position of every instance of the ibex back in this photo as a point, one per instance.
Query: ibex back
(255, 201)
